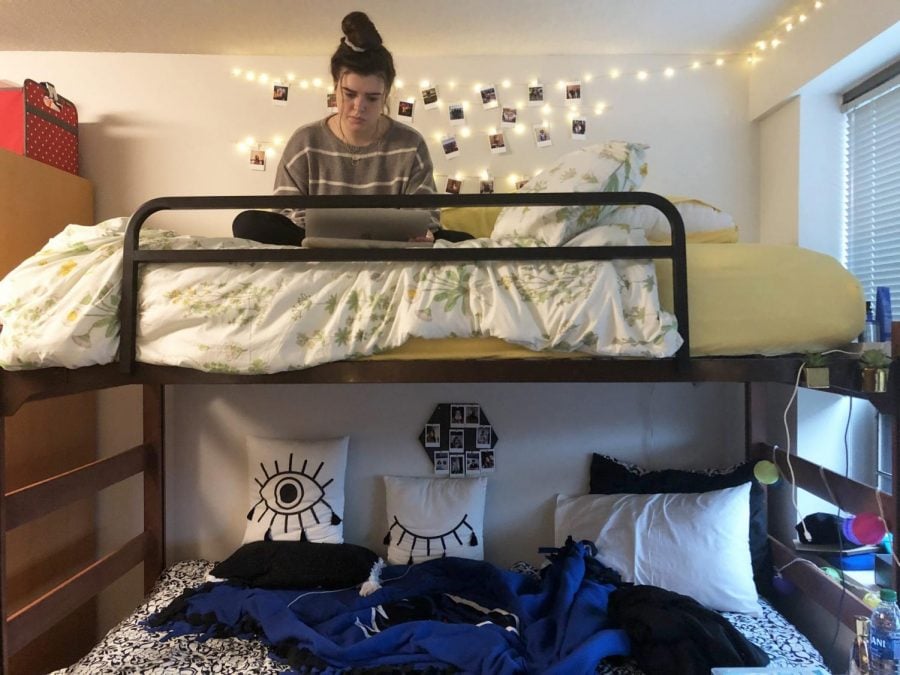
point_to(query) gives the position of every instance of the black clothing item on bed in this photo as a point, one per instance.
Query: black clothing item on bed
(268, 227)
(452, 235)
(673, 634)
(297, 564)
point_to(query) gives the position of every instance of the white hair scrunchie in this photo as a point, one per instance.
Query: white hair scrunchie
(353, 46)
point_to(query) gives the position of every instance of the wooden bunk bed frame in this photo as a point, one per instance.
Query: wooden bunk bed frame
(19, 627)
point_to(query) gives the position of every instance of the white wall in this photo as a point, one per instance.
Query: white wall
(546, 436)
(851, 35)
(801, 142)
(154, 125)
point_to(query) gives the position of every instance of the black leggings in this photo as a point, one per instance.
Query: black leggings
(268, 227)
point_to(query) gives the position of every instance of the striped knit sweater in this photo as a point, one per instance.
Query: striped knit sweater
(316, 162)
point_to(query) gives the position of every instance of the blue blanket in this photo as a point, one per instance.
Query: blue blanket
(449, 613)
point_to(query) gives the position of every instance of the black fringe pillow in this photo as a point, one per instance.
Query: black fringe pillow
(297, 564)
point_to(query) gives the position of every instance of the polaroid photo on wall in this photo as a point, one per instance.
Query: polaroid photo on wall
(573, 91)
(508, 117)
(441, 463)
(457, 440)
(579, 129)
(450, 146)
(486, 186)
(430, 97)
(331, 102)
(483, 436)
(489, 97)
(487, 461)
(453, 186)
(498, 143)
(258, 160)
(457, 114)
(473, 463)
(473, 415)
(457, 464)
(432, 435)
(405, 109)
(280, 93)
(536, 94)
(542, 136)
(457, 415)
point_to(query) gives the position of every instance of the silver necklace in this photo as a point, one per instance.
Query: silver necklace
(356, 150)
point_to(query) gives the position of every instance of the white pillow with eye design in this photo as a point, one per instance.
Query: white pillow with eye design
(693, 544)
(434, 517)
(296, 489)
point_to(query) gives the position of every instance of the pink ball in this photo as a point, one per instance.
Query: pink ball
(868, 528)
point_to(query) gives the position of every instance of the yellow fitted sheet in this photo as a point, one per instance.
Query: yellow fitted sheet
(743, 299)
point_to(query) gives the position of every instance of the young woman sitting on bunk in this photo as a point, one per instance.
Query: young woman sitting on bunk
(358, 150)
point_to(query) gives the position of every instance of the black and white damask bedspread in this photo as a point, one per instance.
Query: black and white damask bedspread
(131, 648)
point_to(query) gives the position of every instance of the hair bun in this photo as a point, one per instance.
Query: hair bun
(360, 31)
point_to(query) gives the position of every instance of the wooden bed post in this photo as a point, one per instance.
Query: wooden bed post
(4, 607)
(755, 423)
(894, 393)
(758, 401)
(154, 484)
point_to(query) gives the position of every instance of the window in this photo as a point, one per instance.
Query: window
(872, 207)
(872, 184)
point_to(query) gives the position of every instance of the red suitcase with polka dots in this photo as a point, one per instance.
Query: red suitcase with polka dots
(37, 122)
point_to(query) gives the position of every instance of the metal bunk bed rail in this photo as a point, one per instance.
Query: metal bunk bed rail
(134, 256)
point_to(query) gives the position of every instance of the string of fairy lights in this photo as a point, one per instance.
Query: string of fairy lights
(537, 107)
(784, 28)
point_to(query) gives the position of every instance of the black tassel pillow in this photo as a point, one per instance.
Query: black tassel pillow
(296, 490)
(434, 517)
(297, 564)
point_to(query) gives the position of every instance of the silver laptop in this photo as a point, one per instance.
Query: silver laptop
(366, 228)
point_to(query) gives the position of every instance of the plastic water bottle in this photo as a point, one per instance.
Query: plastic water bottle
(870, 329)
(859, 652)
(884, 635)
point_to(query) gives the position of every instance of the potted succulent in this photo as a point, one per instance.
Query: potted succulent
(874, 365)
(815, 371)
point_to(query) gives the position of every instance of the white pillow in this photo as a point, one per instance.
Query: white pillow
(433, 517)
(615, 166)
(693, 544)
(296, 489)
(703, 223)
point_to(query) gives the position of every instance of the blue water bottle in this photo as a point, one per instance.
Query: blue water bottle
(884, 636)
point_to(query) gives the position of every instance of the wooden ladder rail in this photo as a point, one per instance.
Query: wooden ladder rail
(26, 504)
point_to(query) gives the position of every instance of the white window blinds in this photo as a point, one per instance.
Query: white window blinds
(872, 190)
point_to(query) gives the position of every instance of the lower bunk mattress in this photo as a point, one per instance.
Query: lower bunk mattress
(132, 648)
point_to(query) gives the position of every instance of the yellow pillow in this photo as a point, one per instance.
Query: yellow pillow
(704, 223)
(476, 220)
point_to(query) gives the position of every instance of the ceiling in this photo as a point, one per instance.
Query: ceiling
(415, 27)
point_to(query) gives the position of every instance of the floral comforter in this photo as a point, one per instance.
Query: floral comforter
(59, 307)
